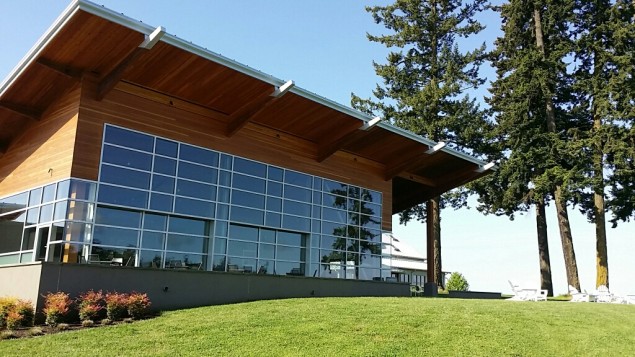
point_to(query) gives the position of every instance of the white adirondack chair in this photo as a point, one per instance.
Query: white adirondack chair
(527, 294)
(602, 294)
(577, 296)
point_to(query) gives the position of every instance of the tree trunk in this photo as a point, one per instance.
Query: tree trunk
(601, 252)
(438, 273)
(543, 248)
(561, 204)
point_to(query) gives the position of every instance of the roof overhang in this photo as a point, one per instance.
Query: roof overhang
(91, 40)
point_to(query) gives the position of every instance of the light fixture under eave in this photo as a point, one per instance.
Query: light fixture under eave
(369, 124)
(485, 167)
(440, 145)
(279, 91)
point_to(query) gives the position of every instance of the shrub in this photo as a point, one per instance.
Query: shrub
(137, 304)
(88, 323)
(457, 282)
(63, 327)
(15, 313)
(106, 322)
(90, 304)
(6, 304)
(56, 306)
(26, 311)
(116, 305)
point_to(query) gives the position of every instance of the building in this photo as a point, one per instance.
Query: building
(406, 264)
(133, 159)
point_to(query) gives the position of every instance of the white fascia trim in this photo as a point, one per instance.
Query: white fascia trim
(41, 43)
(430, 143)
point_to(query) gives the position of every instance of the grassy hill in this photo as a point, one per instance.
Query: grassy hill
(357, 327)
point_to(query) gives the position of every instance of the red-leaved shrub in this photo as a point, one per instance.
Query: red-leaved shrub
(90, 304)
(56, 306)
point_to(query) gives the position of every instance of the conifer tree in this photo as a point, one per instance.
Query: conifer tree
(424, 83)
(531, 98)
(605, 88)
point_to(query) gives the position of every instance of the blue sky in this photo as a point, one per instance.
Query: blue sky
(322, 46)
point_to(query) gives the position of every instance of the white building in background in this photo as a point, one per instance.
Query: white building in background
(407, 265)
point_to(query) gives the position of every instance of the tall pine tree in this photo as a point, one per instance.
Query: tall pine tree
(605, 88)
(531, 98)
(424, 84)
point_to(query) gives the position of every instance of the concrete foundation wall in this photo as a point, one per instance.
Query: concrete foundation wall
(174, 289)
(21, 281)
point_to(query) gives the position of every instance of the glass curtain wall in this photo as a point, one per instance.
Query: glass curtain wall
(165, 204)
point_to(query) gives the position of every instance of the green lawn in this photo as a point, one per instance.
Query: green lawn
(358, 326)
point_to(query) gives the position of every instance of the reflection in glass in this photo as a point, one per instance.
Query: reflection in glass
(125, 177)
(166, 147)
(122, 196)
(150, 259)
(127, 158)
(129, 138)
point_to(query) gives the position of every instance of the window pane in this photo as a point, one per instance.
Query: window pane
(195, 190)
(46, 213)
(124, 177)
(226, 161)
(249, 167)
(82, 190)
(248, 183)
(150, 259)
(243, 232)
(60, 210)
(218, 264)
(161, 202)
(125, 256)
(275, 174)
(334, 187)
(334, 229)
(273, 220)
(371, 209)
(129, 138)
(267, 251)
(222, 228)
(186, 243)
(49, 193)
(298, 179)
(80, 211)
(220, 246)
(274, 204)
(62, 190)
(166, 147)
(333, 201)
(152, 240)
(267, 235)
(266, 267)
(241, 265)
(117, 217)
(197, 172)
(128, 158)
(18, 200)
(334, 215)
(288, 268)
(162, 184)
(202, 156)
(164, 166)
(115, 236)
(296, 223)
(297, 193)
(194, 207)
(185, 261)
(122, 196)
(225, 178)
(222, 211)
(371, 196)
(274, 189)
(242, 249)
(248, 199)
(35, 197)
(77, 232)
(187, 226)
(32, 216)
(290, 253)
(246, 215)
(155, 222)
(290, 238)
(11, 233)
(223, 194)
(300, 209)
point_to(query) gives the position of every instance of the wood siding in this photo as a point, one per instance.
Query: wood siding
(44, 151)
(132, 107)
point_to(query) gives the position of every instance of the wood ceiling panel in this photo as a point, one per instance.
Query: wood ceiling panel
(91, 43)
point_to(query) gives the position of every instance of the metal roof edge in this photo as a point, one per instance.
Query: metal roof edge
(48, 35)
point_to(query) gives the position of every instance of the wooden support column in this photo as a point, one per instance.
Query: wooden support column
(430, 240)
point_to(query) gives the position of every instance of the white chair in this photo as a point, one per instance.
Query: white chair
(602, 294)
(527, 294)
(577, 296)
